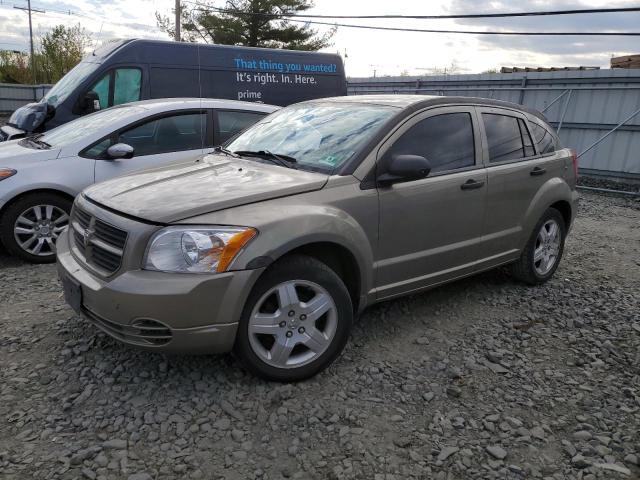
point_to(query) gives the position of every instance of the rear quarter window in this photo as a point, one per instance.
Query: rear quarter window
(543, 138)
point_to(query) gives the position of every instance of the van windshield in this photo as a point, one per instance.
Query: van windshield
(319, 136)
(67, 84)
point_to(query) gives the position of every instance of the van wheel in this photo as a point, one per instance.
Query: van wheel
(29, 227)
(295, 322)
(541, 256)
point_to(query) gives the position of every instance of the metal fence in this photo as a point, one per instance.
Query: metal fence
(596, 112)
(13, 96)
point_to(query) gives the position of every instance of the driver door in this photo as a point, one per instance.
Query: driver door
(160, 141)
(430, 228)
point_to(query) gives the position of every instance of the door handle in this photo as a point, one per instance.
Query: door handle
(471, 184)
(537, 171)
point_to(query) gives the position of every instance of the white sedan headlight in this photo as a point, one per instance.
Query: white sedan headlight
(192, 249)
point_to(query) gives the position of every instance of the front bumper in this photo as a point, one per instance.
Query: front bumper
(172, 313)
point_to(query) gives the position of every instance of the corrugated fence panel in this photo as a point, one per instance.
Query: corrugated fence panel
(585, 105)
(14, 96)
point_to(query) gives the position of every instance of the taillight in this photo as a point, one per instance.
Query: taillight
(574, 159)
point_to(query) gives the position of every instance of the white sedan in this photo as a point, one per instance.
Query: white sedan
(40, 176)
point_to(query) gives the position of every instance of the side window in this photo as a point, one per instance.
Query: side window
(99, 149)
(503, 137)
(445, 140)
(544, 139)
(101, 87)
(126, 85)
(168, 134)
(230, 123)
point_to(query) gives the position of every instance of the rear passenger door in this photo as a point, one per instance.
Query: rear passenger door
(159, 141)
(430, 228)
(516, 171)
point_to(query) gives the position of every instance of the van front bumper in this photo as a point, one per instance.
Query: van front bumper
(167, 312)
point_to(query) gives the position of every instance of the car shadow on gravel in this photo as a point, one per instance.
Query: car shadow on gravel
(10, 261)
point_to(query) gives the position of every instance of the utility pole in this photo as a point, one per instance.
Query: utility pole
(32, 58)
(177, 36)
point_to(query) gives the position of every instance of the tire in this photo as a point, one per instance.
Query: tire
(532, 269)
(284, 340)
(23, 214)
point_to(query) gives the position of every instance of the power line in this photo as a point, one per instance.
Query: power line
(431, 17)
(89, 17)
(462, 32)
(475, 32)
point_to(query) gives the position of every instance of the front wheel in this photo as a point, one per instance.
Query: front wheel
(541, 256)
(296, 320)
(30, 226)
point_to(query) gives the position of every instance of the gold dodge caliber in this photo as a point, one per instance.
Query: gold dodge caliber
(270, 246)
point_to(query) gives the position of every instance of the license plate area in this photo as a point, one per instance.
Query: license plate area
(72, 293)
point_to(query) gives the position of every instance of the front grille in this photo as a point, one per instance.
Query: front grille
(144, 332)
(101, 245)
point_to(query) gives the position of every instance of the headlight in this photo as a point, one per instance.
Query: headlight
(196, 249)
(6, 173)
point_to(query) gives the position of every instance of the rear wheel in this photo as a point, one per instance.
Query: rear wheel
(30, 226)
(296, 320)
(541, 256)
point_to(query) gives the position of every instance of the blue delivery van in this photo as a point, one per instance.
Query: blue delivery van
(130, 70)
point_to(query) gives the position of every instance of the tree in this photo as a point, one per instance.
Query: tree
(14, 67)
(60, 50)
(452, 69)
(253, 23)
(57, 52)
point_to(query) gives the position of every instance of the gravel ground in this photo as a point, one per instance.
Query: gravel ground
(483, 378)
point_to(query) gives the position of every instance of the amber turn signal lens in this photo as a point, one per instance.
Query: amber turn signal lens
(6, 173)
(233, 247)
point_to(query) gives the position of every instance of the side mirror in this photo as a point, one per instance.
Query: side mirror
(91, 102)
(120, 150)
(404, 168)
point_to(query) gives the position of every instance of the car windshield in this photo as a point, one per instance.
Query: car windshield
(319, 136)
(67, 84)
(87, 125)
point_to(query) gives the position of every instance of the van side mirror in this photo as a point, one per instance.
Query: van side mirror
(404, 168)
(91, 102)
(120, 150)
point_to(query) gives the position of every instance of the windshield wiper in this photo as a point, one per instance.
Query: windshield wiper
(226, 151)
(37, 143)
(278, 159)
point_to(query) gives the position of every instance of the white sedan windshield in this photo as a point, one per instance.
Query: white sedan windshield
(318, 135)
(88, 125)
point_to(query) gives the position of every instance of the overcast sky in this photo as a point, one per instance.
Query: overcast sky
(388, 53)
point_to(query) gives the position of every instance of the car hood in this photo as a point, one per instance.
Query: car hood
(214, 183)
(13, 155)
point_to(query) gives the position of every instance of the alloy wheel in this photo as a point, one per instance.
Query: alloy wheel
(292, 324)
(38, 227)
(547, 247)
